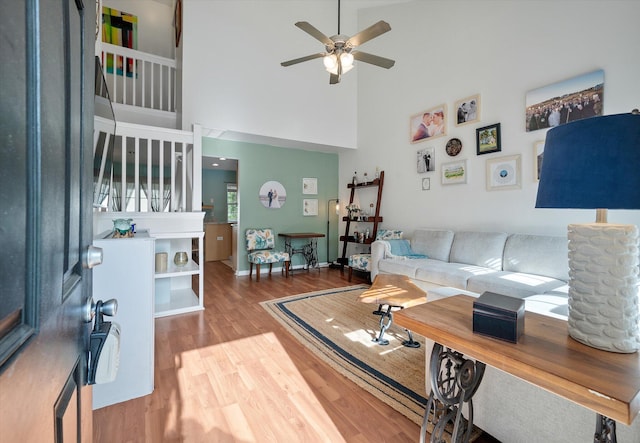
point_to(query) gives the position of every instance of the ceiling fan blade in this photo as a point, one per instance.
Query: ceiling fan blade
(303, 59)
(371, 32)
(333, 79)
(313, 32)
(373, 59)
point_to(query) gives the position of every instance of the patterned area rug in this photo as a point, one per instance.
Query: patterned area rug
(339, 329)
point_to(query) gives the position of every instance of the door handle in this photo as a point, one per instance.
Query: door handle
(91, 309)
(91, 257)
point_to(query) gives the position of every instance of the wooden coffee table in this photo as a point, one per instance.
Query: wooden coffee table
(391, 293)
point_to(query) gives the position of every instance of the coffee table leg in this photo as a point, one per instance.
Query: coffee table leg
(384, 325)
(454, 381)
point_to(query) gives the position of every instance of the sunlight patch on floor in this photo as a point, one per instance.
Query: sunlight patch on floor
(248, 390)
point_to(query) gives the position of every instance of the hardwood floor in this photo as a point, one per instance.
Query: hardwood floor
(232, 374)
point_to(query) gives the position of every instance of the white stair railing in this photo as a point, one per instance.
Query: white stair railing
(139, 79)
(154, 169)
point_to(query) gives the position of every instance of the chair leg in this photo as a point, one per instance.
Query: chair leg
(270, 268)
(350, 273)
(257, 271)
(286, 269)
(250, 270)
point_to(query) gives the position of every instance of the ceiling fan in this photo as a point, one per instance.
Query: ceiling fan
(340, 49)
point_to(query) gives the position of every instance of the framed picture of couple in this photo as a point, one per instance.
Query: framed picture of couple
(428, 124)
(468, 110)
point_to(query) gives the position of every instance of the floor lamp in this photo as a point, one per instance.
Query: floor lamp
(331, 263)
(593, 164)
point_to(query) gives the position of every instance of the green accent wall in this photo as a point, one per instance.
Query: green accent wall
(258, 164)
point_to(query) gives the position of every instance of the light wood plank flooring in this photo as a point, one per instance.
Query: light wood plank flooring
(232, 374)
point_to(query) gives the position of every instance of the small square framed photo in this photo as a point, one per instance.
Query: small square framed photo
(429, 124)
(310, 186)
(426, 184)
(538, 150)
(426, 160)
(310, 206)
(454, 172)
(488, 139)
(504, 173)
(467, 110)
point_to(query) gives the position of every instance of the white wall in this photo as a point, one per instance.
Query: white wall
(446, 51)
(233, 79)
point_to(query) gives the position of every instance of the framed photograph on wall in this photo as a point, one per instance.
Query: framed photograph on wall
(310, 206)
(310, 186)
(272, 195)
(488, 139)
(504, 173)
(566, 101)
(467, 110)
(429, 124)
(426, 160)
(538, 150)
(426, 184)
(454, 172)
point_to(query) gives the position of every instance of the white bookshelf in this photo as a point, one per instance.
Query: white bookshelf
(179, 289)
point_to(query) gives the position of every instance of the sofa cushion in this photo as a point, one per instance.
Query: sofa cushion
(400, 266)
(515, 284)
(449, 274)
(433, 243)
(537, 254)
(479, 248)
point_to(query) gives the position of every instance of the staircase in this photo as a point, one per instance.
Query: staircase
(145, 164)
(144, 168)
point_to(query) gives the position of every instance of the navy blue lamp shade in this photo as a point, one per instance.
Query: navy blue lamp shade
(592, 164)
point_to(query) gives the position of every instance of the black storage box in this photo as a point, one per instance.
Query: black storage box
(498, 316)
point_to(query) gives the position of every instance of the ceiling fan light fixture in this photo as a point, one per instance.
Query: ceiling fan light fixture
(330, 62)
(347, 61)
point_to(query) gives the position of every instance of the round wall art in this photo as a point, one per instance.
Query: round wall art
(273, 195)
(453, 147)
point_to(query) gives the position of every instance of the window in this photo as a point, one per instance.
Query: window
(232, 202)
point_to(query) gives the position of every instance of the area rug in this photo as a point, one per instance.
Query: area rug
(339, 329)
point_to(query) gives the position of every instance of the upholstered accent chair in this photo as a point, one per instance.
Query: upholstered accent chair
(362, 262)
(261, 245)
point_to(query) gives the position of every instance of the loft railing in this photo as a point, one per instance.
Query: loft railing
(139, 79)
(154, 169)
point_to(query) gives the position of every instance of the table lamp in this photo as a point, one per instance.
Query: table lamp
(594, 163)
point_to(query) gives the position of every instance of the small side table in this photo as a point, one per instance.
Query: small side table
(308, 250)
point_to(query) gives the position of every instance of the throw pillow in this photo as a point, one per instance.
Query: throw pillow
(388, 234)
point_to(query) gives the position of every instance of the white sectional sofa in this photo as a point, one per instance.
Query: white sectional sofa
(531, 267)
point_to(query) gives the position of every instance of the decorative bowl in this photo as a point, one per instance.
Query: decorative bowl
(122, 225)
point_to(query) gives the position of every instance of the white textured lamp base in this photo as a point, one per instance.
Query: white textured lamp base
(603, 286)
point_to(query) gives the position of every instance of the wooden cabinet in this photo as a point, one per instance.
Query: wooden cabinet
(217, 241)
